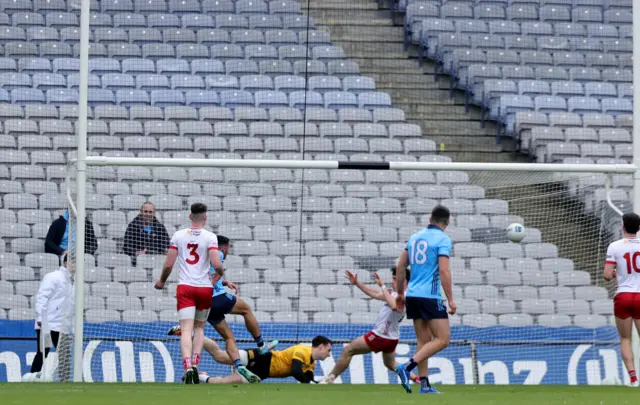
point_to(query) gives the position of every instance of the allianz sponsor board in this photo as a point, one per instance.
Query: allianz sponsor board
(159, 361)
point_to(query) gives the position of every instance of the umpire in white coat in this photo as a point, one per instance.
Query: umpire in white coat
(54, 316)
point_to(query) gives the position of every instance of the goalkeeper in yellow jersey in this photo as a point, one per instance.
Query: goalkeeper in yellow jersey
(297, 361)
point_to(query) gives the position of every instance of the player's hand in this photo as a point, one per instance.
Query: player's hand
(39, 324)
(233, 287)
(400, 301)
(452, 307)
(159, 285)
(376, 277)
(353, 278)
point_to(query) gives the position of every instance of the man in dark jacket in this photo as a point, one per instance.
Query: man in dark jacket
(58, 237)
(145, 234)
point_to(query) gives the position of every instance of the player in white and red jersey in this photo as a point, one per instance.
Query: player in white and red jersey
(194, 248)
(383, 337)
(623, 264)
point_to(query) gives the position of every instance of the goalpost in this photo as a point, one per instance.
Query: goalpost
(505, 187)
(295, 226)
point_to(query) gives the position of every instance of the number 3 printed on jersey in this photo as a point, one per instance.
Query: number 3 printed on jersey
(418, 252)
(194, 257)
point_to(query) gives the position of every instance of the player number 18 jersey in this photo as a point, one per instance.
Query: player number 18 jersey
(193, 245)
(625, 254)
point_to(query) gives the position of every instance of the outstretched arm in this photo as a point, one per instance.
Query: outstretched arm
(371, 292)
(298, 374)
(386, 296)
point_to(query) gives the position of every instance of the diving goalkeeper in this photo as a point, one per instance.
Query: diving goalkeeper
(297, 361)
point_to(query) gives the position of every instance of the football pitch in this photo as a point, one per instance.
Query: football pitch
(296, 394)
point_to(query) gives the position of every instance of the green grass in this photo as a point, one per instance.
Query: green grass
(296, 394)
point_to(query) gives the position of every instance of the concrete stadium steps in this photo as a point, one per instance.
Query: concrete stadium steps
(370, 38)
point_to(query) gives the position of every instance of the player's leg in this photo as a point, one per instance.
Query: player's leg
(425, 336)
(219, 355)
(441, 335)
(202, 297)
(229, 379)
(625, 330)
(187, 316)
(186, 302)
(389, 361)
(623, 310)
(634, 378)
(232, 350)
(198, 341)
(243, 309)
(357, 346)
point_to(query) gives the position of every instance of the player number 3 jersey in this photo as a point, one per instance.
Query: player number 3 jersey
(625, 254)
(193, 245)
(388, 322)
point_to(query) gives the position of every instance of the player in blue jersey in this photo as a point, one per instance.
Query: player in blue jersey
(224, 303)
(427, 252)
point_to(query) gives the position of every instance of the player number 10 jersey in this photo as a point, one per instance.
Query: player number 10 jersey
(625, 254)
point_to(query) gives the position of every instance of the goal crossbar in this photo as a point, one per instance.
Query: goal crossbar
(334, 164)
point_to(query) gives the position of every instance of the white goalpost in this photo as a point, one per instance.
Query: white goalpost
(495, 277)
(550, 199)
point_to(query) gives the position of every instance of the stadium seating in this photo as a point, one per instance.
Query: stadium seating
(227, 79)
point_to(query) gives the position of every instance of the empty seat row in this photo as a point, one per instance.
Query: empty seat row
(203, 67)
(223, 13)
(477, 73)
(542, 135)
(31, 134)
(287, 115)
(225, 98)
(557, 151)
(122, 81)
(186, 51)
(510, 104)
(517, 12)
(599, 90)
(431, 27)
(526, 120)
(115, 6)
(553, 51)
(141, 36)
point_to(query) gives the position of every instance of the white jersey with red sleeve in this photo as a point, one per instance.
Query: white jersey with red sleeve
(388, 322)
(193, 245)
(625, 254)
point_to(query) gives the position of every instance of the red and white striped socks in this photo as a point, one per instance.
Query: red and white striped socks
(186, 362)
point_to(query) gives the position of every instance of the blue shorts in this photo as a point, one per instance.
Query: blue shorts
(426, 308)
(221, 305)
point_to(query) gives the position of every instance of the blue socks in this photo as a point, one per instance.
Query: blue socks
(237, 363)
(411, 364)
(259, 341)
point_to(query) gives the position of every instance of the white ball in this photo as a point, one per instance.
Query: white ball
(611, 381)
(515, 232)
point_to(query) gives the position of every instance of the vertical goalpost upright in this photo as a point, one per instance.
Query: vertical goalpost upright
(83, 161)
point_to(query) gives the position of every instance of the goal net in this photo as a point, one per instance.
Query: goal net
(531, 312)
